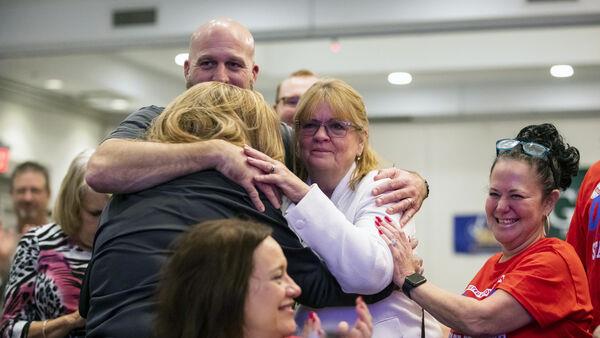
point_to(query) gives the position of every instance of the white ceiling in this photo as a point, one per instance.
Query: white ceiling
(471, 57)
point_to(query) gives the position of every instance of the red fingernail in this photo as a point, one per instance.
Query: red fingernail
(312, 316)
(380, 232)
(388, 219)
(377, 218)
(377, 223)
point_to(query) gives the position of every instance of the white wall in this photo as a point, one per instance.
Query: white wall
(47, 131)
(455, 157)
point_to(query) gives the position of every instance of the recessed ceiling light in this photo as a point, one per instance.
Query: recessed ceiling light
(119, 104)
(181, 58)
(399, 78)
(53, 84)
(561, 71)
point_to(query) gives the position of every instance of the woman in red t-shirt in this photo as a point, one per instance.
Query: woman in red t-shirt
(536, 286)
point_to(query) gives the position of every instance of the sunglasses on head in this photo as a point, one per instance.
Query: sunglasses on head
(529, 148)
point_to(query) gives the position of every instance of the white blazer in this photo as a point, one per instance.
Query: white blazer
(342, 231)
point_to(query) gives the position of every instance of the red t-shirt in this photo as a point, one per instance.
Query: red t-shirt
(584, 233)
(548, 280)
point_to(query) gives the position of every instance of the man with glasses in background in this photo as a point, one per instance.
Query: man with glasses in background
(289, 92)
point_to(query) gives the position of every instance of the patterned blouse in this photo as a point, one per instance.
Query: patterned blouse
(44, 280)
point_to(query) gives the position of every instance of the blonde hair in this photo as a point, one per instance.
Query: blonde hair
(69, 202)
(345, 104)
(215, 110)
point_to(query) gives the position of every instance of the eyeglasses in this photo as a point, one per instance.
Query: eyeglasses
(334, 128)
(291, 101)
(529, 148)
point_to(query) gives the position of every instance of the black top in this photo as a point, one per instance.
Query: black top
(135, 237)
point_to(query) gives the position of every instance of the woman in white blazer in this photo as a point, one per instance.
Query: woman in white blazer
(331, 207)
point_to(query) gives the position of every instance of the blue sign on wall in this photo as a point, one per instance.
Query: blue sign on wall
(472, 235)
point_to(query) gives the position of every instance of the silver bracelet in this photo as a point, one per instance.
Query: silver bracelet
(44, 328)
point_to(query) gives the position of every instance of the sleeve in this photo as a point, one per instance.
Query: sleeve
(354, 253)
(543, 284)
(319, 287)
(136, 124)
(19, 308)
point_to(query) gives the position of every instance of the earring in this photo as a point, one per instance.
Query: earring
(358, 158)
(546, 225)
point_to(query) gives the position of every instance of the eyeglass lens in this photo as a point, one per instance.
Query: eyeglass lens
(333, 128)
(530, 148)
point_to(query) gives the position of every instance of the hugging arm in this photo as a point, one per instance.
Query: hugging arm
(406, 192)
(496, 314)
(319, 286)
(354, 253)
(352, 250)
(126, 163)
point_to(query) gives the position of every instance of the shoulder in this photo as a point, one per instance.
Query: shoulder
(134, 126)
(565, 252)
(365, 186)
(553, 247)
(146, 112)
(551, 256)
(368, 182)
(42, 233)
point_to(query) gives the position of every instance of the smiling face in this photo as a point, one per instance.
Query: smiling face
(515, 206)
(30, 197)
(324, 154)
(223, 51)
(271, 291)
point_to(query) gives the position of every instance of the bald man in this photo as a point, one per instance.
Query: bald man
(223, 51)
(289, 92)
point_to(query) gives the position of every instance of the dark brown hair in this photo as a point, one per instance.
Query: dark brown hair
(203, 288)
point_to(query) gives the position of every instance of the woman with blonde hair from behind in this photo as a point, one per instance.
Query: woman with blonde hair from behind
(202, 114)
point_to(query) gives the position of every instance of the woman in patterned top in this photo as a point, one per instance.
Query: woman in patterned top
(43, 288)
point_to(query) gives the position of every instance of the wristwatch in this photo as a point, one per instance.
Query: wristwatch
(411, 282)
